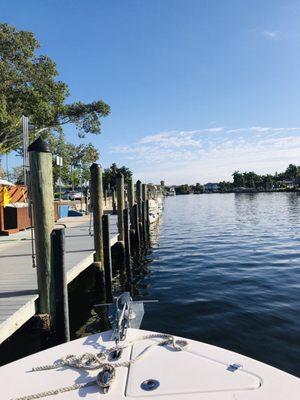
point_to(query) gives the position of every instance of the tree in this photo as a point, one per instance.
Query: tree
(225, 186)
(183, 189)
(77, 160)
(291, 172)
(238, 179)
(109, 175)
(198, 188)
(29, 86)
(16, 176)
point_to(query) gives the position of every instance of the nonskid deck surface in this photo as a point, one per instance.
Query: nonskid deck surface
(200, 371)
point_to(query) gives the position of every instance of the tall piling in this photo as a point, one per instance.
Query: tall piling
(120, 204)
(41, 189)
(148, 220)
(113, 199)
(97, 205)
(60, 287)
(136, 228)
(139, 198)
(130, 193)
(107, 256)
(144, 192)
(127, 241)
(144, 212)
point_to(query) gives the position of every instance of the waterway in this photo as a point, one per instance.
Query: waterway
(226, 270)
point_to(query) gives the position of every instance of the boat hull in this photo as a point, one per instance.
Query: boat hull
(200, 371)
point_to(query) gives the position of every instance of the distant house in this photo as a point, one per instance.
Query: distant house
(211, 187)
(289, 184)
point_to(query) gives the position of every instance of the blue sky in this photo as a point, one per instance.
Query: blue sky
(198, 88)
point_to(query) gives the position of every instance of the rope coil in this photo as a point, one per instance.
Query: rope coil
(90, 361)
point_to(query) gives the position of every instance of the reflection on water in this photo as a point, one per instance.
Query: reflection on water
(225, 269)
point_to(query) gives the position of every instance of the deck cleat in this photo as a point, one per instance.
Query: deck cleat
(106, 377)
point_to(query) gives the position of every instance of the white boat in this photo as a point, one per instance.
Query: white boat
(128, 363)
(171, 192)
(155, 210)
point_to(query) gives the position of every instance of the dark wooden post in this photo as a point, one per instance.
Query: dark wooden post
(107, 256)
(120, 204)
(127, 241)
(136, 228)
(97, 204)
(41, 189)
(144, 192)
(130, 193)
(60, 285)
(144, 212)
(131, 199)
(139, 198)
(143, 221)
(147, 221)
(113, 197)
(86, 199)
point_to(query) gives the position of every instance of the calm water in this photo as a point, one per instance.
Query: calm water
(226, 270)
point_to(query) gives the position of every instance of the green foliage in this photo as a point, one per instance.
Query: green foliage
(183, 189)
(77, 160)
(291, 172)
(225, 186)
(198, 188)
(16, 176)
(238, 179)
(29, 86)
(109, 175)
(251, 180)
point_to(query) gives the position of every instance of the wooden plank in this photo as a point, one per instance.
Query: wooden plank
(18, 281)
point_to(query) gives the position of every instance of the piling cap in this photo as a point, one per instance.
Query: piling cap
(95, 166)
(40, 146)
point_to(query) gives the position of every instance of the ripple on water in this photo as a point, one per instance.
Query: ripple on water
(225, 270)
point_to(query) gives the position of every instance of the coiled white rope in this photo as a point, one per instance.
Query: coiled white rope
(90, 361)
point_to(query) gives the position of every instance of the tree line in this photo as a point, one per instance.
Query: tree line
(251, 180)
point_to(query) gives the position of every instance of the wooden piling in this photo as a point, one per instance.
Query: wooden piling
(131, 200)
(41, 189)
(136, 228)
(144, 192)
(143, 222)
(127, 241)
(60, 287)
(97, 205)
(130, 193)
(139, 198)
(120, 204)
(147, 220)
(107, 256)
(144, 212)
(113, 196)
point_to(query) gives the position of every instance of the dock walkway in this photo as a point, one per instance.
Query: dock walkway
(18, 279)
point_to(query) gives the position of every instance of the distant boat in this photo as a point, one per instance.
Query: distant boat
(171, 192)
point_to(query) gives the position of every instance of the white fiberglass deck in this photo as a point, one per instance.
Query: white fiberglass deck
(200, 371)
(18, 280)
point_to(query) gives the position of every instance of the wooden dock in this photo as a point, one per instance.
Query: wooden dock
(18, 279)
